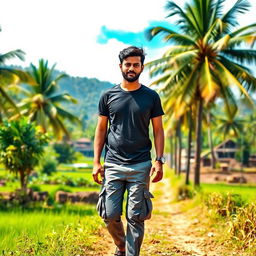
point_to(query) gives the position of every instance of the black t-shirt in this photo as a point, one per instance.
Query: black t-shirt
(129, 114)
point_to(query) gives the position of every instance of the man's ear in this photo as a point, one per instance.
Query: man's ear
(142, 68)
(120, 65)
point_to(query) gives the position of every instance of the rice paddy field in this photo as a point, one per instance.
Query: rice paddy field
(43, 228)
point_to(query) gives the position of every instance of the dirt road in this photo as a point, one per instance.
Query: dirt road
(171, 231)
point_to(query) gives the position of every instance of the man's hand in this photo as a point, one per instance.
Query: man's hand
(157, 169)
(98, 171)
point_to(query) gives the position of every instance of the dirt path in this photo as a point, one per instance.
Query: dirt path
(171, 231)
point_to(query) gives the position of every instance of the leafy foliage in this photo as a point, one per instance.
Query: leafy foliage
(66, 153)
(42, 102)
(21, 146)
(208, 57)
(10, 76)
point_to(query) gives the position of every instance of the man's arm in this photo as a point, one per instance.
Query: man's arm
(158, 132)
(99, 140)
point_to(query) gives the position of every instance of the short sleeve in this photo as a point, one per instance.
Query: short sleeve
(103, 107)
(157, 109)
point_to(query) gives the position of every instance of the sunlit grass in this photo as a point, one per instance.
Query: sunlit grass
(247, 192)
(35, 224)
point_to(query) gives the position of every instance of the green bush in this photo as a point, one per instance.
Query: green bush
(66, 152)
(35, 187)
(21, 147)
(49, 166)
(185, 192)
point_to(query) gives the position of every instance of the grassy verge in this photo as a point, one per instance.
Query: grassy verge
(62, 230)
(229, 211)
(247, 192)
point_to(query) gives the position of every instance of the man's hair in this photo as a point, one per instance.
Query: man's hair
(132, 51)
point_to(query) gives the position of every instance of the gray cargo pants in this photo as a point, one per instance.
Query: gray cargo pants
(117, 179)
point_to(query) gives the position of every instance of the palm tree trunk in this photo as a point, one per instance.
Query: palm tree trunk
(179, 147)
(213, 159)
(171, 152)
(22, 180)
(198, 141)
(189, 148)
(175, 153)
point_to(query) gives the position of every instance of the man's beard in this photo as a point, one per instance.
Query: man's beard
(131, 79)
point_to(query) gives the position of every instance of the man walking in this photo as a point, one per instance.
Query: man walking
(125, 112)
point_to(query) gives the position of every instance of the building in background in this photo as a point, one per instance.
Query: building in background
(84, 145)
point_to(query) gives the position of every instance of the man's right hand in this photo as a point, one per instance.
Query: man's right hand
(98, 172)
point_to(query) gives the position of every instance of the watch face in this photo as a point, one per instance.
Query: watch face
(162, 160)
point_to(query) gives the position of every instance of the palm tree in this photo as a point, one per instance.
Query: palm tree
(10, 76)
(230, 126)
(210, 121)
(207, 59)
(42, 101)
(189, 147)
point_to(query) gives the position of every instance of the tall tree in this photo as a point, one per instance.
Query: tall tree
(206, 60)
(9, 76)
(42, 102)
(230, 126)
(190, 131)
(209, 122)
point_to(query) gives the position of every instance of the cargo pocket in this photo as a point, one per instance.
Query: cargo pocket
(101, 205)
(147, 206)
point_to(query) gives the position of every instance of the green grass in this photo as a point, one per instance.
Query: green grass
(10, 186)
(247, 192)
(52, 188)
(87, 173)
(35, 225)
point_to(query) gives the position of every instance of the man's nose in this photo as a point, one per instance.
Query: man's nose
(131, 68)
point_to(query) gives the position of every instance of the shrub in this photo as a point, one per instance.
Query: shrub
(49, 166)
(21, 146)
(35, 187)
(66, 152)
(223, 204)
(185, 192)
(243, 226)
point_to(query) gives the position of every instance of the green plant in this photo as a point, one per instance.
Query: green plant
(35, 230)
(223, 205)
(48, 163)
(185, 192)
(42, 102)
(21, 146)
(35, 187)
(66, 153)
(49, 166)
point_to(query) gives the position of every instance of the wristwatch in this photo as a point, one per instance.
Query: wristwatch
(161, 159)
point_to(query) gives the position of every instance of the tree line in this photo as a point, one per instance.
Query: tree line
(209, 62)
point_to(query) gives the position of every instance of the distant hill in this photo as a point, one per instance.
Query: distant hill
(87, 91)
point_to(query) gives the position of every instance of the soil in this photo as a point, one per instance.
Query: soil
(172, 231)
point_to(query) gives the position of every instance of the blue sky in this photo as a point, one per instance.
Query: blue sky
(134, 38)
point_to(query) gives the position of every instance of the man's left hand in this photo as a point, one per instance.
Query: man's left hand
(157, 170)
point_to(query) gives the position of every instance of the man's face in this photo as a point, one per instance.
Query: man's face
(131, 68)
